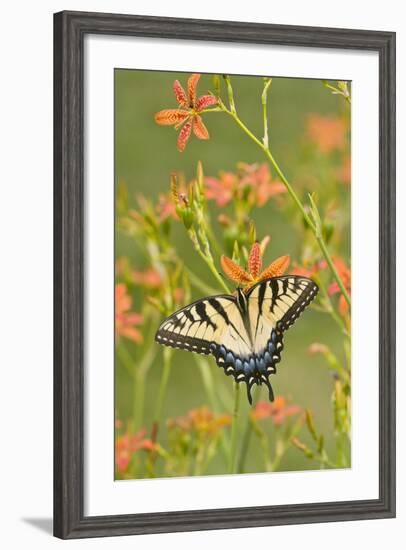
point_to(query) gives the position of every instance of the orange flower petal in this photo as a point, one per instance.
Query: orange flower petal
(264, 243)
(169, 117)
(255, 260)
(316, 347)
(180, 94)
(343, 306)
(184, 135)
(205, 101)
(199, 129)
(191, 88)
(276, 269)
(234, 271)
(132, 334)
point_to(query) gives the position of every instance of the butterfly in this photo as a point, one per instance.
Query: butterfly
(244, 332)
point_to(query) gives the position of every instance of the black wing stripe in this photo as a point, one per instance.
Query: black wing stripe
(189, 316)
(261, 296)
(215, 304)
(201, 311)
(275, 290)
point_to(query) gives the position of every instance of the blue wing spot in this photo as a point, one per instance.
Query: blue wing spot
(230, 358)
(261, 365)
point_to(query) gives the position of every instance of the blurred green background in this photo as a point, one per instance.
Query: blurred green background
(146, 154)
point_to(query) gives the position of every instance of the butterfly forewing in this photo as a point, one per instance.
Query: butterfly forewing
(204, 324)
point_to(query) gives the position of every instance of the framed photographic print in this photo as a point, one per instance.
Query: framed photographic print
(224, 274)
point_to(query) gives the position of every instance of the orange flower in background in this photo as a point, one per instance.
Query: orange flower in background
(165, 208)
(345, 275)
(150, 278)
(255, 274)
(126, 321)
(327, 132)
(278, 411)
(344, 172)
(126, 445)
(254, 178)
(260, 179)
(309, 270)
(201, 420)
(316, 347)
(343, 271)
(187, 116)
(221, 189)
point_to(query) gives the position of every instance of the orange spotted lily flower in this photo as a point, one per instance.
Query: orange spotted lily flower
(278, 411)
(255, 274)
(126, 445)
(126, 321)
(221, 189)
(187, 115)
(327, 132)
(201, 420)
(345, 275)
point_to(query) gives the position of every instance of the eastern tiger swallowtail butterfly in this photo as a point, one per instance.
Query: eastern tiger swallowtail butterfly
(244, 332)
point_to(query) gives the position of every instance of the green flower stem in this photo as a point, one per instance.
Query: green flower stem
(246, 438)
(125, 358)
(283, 443)
(199, 284)
(138, 399)
(139, 384)
(138, 375)
(295, 198)
(333, 269)
(167, 357)
(208, 383)
(264, 99)
(264, 442)
(207, 259)
(232, 467)
(230, 94)
(329, 308)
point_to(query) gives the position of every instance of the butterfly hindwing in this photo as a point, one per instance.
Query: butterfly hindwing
(245, 332)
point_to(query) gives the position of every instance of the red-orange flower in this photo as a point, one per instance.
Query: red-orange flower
(150, 279)
(165, 208)
(309, 270)
(255, 274)
(328, 132)
(260, 179)
(343, 271)
(278, 411)
(253, 182)
(187, 116)
(126, 445)
(344, 172)
(126, 320)
(345, 275)
(221, 189)
(201, 420)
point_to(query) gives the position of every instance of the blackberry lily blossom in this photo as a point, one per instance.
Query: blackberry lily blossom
(255, 274)
(187, 116)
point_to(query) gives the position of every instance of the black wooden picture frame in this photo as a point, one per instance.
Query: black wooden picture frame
(70, 29)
